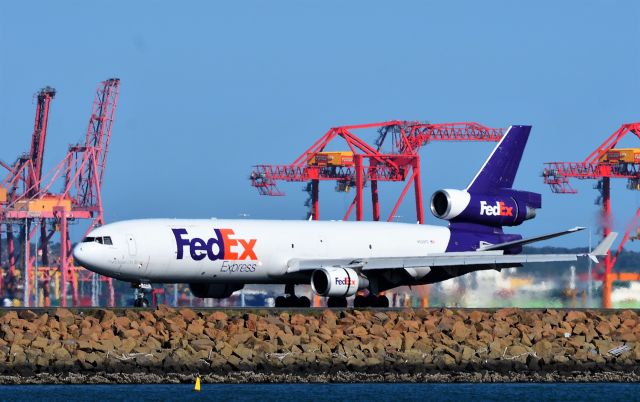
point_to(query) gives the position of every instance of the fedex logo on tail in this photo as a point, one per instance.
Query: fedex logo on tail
(499, 209)
(223, 246)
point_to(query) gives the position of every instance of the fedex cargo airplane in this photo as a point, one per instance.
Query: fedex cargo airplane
(217, 257)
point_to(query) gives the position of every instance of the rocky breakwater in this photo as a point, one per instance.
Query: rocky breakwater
(167, 345)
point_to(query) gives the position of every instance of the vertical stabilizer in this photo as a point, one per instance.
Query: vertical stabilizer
(499, 170)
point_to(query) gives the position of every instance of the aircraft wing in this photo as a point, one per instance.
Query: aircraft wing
(485, 259)
(522, 242)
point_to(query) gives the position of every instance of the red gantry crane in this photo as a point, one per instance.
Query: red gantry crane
(364, 163)
(603, 164)
(24, 179)
(30, 199)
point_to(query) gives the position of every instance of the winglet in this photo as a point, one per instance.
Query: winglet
(604, 246)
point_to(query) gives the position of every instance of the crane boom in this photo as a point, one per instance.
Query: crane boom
(364, 163)
(38, 139)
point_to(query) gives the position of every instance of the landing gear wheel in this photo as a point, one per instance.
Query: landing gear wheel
(335, 302)
(382, 302)
(371, 301)
(360, 301)
(304, 302)
(139, 299)
(291, 301)
(281, 301)
(141, 302)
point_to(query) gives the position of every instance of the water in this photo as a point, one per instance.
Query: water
(325, 392)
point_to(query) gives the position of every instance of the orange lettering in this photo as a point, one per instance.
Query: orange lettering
(248, 253)
(228, 243)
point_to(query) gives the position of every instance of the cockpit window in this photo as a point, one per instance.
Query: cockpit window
(100, 239)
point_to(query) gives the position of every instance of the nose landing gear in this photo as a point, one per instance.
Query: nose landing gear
(139, 294)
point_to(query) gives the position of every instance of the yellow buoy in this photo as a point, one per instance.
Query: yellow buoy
(197, 386)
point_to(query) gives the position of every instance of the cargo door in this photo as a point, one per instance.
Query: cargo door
(131, 242)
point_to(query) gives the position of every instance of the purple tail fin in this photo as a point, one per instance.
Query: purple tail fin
(499, 170)
(491, 202)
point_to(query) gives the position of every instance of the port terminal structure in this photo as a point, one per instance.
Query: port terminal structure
(32, 203)
(361, 163)
(606, 162)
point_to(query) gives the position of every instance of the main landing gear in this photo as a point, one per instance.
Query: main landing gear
(371, 300)
(139, 294)
(336, 302)
(291, 300)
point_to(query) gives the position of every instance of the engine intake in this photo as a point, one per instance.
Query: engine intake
(337, 282)
(447, 203)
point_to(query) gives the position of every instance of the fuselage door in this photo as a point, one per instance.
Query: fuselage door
(131, 242)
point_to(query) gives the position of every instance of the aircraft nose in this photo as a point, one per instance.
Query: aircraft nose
(79, 254)
(94, 257)
(88, 256)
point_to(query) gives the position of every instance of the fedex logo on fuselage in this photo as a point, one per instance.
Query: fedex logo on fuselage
(500, 209)
(223, 246)
(346, 281)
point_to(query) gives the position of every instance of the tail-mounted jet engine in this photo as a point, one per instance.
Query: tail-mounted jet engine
(506, 207)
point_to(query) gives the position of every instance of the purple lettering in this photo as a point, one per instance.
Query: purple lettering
(197, 245)
(222, 245)
(180, 242)
(218, 241)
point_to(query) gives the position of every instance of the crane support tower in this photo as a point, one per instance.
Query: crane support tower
(25, 175)
(603, 164)
(363, 163)
(28, 200)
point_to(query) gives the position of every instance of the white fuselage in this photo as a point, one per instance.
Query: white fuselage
(242, 251)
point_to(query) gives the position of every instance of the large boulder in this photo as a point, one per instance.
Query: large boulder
(64, 316)
(460, 332)
(575, 316)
